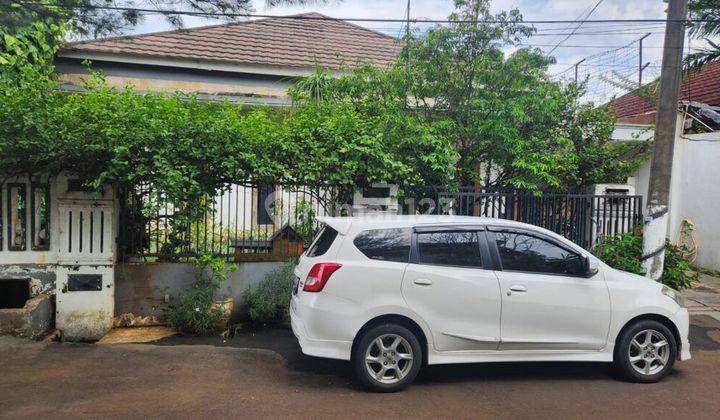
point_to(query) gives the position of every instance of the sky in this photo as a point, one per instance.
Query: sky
(587, 43)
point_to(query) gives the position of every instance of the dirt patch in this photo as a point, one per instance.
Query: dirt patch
(136, 335)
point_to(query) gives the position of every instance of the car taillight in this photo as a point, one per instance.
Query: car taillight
(319, 275)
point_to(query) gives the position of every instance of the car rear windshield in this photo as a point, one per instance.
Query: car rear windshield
(385, 244)
(322, 243)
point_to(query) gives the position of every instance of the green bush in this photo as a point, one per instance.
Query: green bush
(194, 312)
(677, 272)
(624, 251)
(269, 302)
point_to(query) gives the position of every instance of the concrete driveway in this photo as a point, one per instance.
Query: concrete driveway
(263, 374)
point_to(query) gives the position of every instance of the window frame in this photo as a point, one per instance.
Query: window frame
(492, 243)
(45, 188)
(486, 260)
(8, 209)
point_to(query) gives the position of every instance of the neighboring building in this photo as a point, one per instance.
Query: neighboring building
(702, 86)
(247, 62)
(694, 192)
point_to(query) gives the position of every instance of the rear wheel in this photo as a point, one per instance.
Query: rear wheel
(646, 351)
(387, 358)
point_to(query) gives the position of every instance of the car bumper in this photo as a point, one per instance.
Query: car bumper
(331, 349)
(683, 323)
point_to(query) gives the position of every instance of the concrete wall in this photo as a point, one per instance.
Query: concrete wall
(696, 194)
(694, 190)
(145, 289)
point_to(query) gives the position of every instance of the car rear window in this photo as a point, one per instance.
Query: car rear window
(322, 243)
(385, 244)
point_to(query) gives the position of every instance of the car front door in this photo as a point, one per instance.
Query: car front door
(547, 302)
(449, 285)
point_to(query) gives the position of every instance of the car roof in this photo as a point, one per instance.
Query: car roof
(344, 224)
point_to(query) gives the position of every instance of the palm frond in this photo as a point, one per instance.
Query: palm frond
(696, 60)
(709, 12)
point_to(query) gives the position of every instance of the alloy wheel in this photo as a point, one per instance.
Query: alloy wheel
(649, 352)
(389, 358)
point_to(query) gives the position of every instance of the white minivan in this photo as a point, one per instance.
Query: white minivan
(394, 293)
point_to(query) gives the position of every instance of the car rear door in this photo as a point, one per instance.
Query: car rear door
(449, 284)
(547, 302)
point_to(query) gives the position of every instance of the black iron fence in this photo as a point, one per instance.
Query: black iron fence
(244, 222)
(582, 218)
(273, 222)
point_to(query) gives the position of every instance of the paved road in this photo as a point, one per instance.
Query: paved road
(263, 375)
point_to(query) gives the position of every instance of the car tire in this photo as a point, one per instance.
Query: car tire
(646, 351)
(387, 358)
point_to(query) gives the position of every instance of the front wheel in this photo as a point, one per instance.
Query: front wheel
(387, 358)
(646, 351)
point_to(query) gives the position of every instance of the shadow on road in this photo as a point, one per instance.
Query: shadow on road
(282, 342)
(703, 333)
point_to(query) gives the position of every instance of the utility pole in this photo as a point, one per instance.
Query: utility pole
(656, 213)
(641, 66)
(407, 28)
(576, 69)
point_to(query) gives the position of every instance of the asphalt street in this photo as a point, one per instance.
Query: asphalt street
(263, 374)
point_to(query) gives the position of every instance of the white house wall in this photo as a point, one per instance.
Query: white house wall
(694, 189)
(698, 193)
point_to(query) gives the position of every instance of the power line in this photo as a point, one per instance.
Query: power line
(576, 28)
(351, 19)
(593, 46)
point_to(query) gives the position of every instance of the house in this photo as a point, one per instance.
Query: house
(59, 242)
(251, 62)
(694, 192)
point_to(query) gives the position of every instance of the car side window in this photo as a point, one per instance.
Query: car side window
(385, 244)
(322, 244)
(449, 248)
(520, 252)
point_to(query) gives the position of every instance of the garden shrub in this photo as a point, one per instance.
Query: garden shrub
(677, 272)
(269, 301)
(624, 251)
(194, 312)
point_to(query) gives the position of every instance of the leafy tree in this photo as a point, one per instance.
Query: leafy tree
(594, 158)
(708, 12)
(30, 48)
(510, 125)
(425, 155)
(105, 17)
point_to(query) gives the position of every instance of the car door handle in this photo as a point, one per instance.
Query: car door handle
(518, 288)
(423, 282)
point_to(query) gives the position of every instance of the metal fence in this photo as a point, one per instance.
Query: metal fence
(244, 222)
(582, 218)
(273, 222)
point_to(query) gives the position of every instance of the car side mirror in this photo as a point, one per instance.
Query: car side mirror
(591, 266)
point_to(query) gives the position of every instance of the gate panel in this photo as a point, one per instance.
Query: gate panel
(85, 275)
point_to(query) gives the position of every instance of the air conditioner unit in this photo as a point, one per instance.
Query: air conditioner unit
(378, 198)
(611, 189)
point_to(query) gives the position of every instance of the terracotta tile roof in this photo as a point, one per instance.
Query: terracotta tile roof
(280, 42)
(701, 86)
